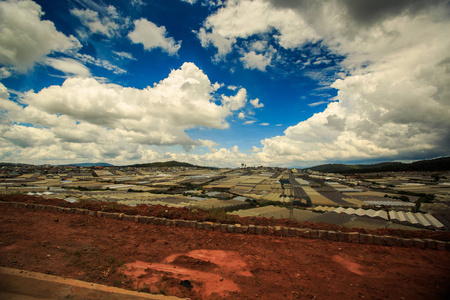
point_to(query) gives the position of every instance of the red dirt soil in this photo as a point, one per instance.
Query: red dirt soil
(201, 264)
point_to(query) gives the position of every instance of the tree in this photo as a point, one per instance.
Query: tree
(404, 198)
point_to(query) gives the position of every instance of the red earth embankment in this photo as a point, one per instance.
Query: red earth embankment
(201, 264)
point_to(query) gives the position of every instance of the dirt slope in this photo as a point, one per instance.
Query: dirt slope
(213, 265)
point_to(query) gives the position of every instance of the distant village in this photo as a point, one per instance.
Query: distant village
(402, 200)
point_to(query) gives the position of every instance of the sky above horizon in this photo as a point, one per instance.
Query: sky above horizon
(284, 83)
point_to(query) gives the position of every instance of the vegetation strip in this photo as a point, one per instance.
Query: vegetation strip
(348, 237)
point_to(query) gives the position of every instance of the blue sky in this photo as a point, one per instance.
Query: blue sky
(220, 83)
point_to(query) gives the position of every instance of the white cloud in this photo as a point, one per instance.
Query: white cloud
(167, 105)
(6, 72)
(392, 102)
(106, 25)
(259, 46)
(217, 86)
(393, 97)
(88, 59)
(151, 36)
(124, 55)
(68, 66)
(83, 115)
(222, 158)
(252, 60)
(25, 136)
(235, 102)
(223, 45)
(243, 19)
(137, 3)
(25, 39)
(208, 143)
(264, 124)
(317, 103)
(256, 103)
(241, 115)
(189, 1)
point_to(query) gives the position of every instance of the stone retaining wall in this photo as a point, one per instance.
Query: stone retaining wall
(347, 237)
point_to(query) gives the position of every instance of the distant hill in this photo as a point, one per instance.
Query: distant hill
(5, 164)
(166, 164)
(87, 165)
(438, 164)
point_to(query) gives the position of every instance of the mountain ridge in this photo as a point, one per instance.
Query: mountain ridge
(167, 164)
(437, 164)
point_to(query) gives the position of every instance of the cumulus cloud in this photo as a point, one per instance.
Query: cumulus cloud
(255, 149)
(6, 72)
(243, 19)
(208, 143)
(252, 60)
(84, 118)
(259, 46)
(392, 95)
(106, 25)
(156, 115)
(221, 157)
(212, 38)
(256, 103)
(235, 102)
(25, 39)
(393, 98)
(152, 36)
(25, 136)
